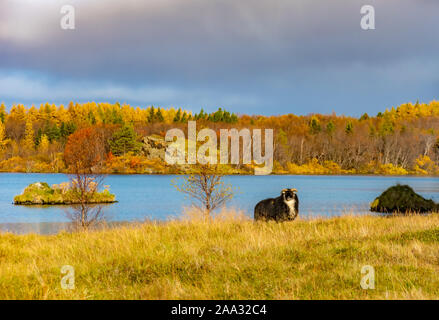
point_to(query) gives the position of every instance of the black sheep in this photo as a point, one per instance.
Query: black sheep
(283, 208)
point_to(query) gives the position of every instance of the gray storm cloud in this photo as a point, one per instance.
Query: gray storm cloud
(257, 56)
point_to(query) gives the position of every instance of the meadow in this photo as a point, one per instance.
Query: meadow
(229, 257)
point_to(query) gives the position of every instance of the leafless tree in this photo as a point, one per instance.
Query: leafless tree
(84, 214)
(205, 186)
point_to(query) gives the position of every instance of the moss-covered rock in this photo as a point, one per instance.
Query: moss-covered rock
(402, 199)
(41, 193)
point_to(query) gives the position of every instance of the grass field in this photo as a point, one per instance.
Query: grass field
(229, 258)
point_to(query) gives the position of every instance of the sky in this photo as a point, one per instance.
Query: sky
(247, 56)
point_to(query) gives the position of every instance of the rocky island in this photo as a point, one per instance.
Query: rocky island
(403, 199)
(40, 193)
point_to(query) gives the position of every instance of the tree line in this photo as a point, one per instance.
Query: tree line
(399, 140)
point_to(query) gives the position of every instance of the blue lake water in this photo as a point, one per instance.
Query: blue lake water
(153, 197)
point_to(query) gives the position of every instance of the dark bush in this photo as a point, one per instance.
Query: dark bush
(402, 199)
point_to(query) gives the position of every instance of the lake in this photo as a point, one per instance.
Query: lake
(153, 197)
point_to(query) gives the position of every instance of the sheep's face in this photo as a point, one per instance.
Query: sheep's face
(290, 197)
(289, 194)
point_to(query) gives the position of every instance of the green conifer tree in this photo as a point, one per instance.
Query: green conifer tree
(349, 128)
(159, 116)
(314, 125)
(2, 113)
(124, 140)
(177, 117)
(218, 115)
(151, 115)
(184, 117)
(330, 128)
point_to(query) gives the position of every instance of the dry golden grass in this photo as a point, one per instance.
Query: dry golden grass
(229, 257)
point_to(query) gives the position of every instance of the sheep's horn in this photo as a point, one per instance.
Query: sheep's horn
(295, 190)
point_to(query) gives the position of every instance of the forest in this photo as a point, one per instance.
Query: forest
(401, 140)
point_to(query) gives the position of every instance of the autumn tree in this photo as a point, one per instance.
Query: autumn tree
(85, 150)
(43, 146)
(3, 139)
(206, 188)
(29, 142)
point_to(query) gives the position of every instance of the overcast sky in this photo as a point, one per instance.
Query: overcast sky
(248, 56)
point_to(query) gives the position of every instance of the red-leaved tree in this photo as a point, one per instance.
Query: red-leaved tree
(85, 150)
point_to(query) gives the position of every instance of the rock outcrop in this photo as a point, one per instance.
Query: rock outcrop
(402, 199)
(154, 147)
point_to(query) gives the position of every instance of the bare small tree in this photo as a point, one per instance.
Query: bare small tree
(84, 150)
(84, 213)
(205, 186)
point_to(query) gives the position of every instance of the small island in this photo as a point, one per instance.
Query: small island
(40, 193)
(402, 199)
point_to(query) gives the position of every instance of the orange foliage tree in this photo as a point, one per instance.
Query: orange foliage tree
(84, 150)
